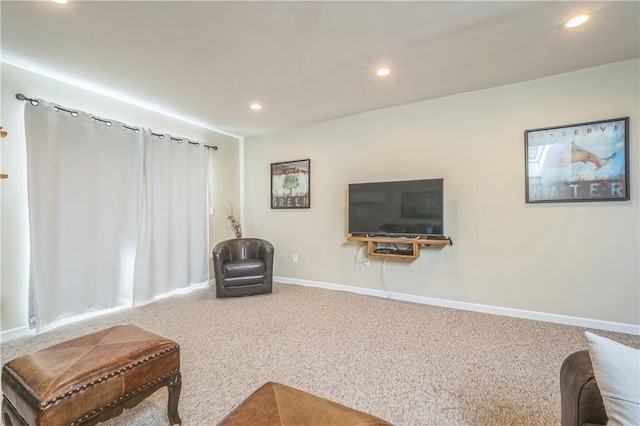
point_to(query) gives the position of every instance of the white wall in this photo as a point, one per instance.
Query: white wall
(574, 259)
(14, 252)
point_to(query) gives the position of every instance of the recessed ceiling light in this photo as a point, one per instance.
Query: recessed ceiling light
(381, 72)
(63, 4)
(256, 107)
(576, 21)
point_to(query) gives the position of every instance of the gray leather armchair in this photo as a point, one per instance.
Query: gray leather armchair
(580, 396)
(243, 267)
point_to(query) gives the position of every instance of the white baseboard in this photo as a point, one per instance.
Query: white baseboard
(474, 307)
(466, 306)
(14, 333)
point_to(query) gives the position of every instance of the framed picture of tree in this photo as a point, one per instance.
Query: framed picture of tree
(290, 185)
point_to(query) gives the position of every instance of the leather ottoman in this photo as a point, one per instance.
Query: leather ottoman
(91, 378)
(274, 404)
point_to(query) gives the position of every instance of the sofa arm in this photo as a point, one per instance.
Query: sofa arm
(580, 396)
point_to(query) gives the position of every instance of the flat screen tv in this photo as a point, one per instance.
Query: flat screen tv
(400, 208)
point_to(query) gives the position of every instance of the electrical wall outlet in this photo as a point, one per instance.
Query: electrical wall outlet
(295, 258)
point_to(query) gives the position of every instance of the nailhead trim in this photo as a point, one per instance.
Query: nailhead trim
(124, 398)
(103, 378)
(44, 404)
(20, 389)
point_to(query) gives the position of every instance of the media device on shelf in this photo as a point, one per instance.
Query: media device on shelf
(385, 250)
(405, 208)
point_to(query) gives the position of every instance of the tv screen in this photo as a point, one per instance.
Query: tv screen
(403, 208)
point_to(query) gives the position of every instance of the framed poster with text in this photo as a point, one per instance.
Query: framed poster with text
(578, 162)
(290, 185)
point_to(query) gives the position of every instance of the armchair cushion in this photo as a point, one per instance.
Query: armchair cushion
(244, 267)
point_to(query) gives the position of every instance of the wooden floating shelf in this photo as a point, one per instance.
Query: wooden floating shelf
(3, 176)
(413, 253)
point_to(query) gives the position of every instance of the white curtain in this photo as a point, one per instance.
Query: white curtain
(84, 181)
(173, 249)
(116, 215)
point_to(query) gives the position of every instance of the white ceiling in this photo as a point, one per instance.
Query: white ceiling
(306, 61)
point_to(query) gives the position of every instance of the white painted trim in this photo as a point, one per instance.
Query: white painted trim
(184, 290)
(15, 333)
(466, 306)
(241, 181)
(329, 286)
(474, 307)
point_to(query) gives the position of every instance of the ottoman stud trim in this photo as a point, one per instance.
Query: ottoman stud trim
(171, 376)
(101, 384)
(45, 404)
(21, 389)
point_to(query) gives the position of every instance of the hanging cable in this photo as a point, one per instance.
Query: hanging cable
(108, 123)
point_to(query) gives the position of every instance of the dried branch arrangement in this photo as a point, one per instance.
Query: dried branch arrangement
(234, 220)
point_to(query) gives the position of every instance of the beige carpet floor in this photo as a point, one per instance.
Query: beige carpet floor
(407, 363)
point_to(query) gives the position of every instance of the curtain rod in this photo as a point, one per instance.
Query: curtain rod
(35, 102)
